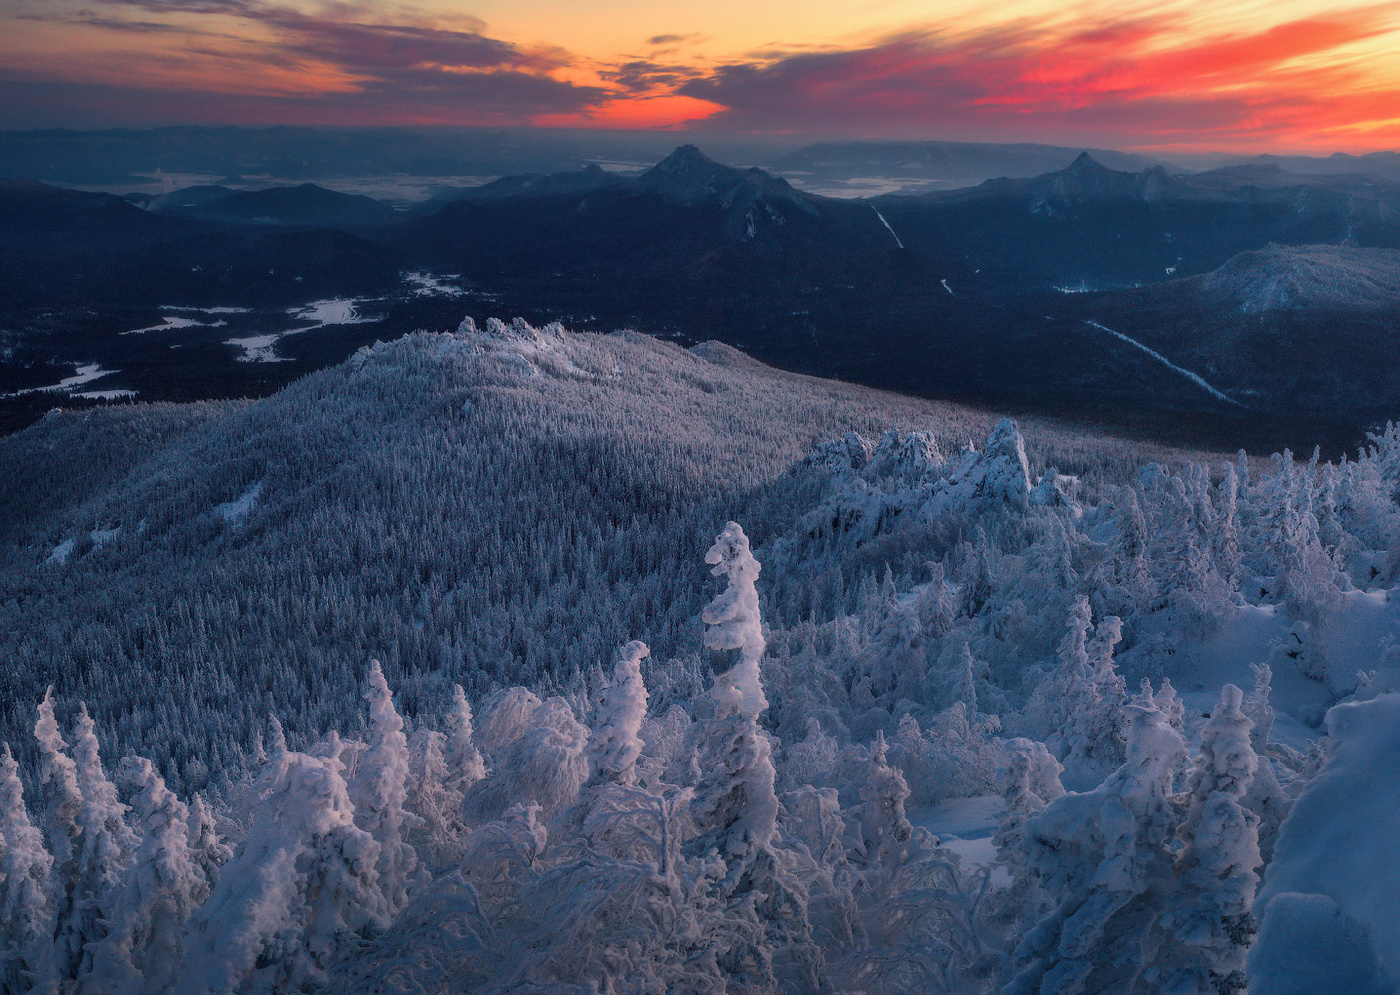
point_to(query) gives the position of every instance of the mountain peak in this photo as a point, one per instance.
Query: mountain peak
(1086, 165)
(684, 158)
(688, 175)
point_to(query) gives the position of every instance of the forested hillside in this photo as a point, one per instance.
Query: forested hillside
(780, 684)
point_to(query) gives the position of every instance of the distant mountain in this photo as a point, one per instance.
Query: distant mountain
(304, 206)
(830, 166)
(1090, 227)
(974, 295)
(1379, 165)
(1307, 278)
(832, 287)
(591, 177)
(92, 249)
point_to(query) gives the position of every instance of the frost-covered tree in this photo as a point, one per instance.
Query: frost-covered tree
(379, 790)
(885, 829)
(1210, 924)
(148, 915)
(25, 909)
(301, 889)
(735, 809)
(436, 806)
(538, 754)
(208, 850)
(1264, 796)
(1084, 702)
(736, 806)
(1103, 858)
(464, 764)
(71, 893)
(615, 744)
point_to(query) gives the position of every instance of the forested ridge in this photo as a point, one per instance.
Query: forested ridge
(243, 645)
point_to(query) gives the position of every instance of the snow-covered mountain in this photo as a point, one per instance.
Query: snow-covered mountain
(780, 684)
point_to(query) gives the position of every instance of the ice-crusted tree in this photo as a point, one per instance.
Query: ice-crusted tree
(1264, 796)
(615, 743)
(107, 840)
(208, 850)
(148, 915)
(71, 892)
(1103, 858)
(1086, 697)
(884, 827)
(301, 889)
(1210, 924)
(538, 754)
(1029, 779)
(25, 908)
(736, 806)
(436, 806)
(380, 789)
(464, 764)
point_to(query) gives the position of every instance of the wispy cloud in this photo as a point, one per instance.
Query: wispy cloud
(1138, 78)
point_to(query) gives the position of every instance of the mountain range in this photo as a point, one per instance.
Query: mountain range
(1078, 292)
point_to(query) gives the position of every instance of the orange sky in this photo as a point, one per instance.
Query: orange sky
(1175, 75)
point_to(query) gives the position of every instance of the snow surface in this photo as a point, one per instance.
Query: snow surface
(430, 285)
(87, 372)
(887, 226)
(1329, 923)
(235, 511)
(320, 314)
(171, 322)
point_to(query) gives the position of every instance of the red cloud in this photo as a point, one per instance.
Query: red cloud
(1135, 81)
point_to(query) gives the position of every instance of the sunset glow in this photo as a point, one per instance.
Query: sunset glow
(1297, 75)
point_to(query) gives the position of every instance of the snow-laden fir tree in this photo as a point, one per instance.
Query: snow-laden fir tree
(464, 764)
(615, 744)
(1264, 795)
(25, 908)
(379, 790)
(208, 850)
(1102, 857)
(148, 915)
(72, 894)
(1210, 924)
(735, 809)
(885, 829)
(302, 888)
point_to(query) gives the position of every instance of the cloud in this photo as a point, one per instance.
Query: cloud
(295, 65)
(656, 40)
(1138, 79)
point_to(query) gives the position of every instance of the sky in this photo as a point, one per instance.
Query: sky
(1171, 75)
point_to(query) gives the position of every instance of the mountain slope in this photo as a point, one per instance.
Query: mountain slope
(1306, 331)
(499, 506)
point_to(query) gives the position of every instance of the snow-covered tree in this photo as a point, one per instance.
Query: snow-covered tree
(25, 908)
(1103, 858)
(614, 744)
(71, 893)
(380, 789)
(148, 915)
(464, 764)
(302, 887)
(207, 849)
(538, 754)
(1264, 796)
(1210, 923)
